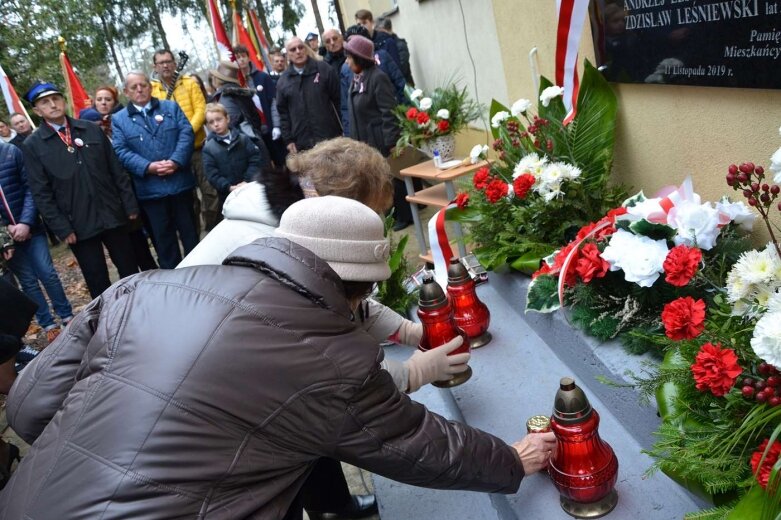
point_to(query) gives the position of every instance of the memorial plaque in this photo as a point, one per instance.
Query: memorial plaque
(717, 43)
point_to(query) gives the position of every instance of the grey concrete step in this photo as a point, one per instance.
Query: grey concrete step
(516, 376)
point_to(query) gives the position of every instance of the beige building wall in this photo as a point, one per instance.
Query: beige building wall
(664, 132)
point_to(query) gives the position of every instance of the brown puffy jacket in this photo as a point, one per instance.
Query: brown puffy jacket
(208, 392)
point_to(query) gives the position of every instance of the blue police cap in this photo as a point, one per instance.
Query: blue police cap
(40, 89)
(311, 36)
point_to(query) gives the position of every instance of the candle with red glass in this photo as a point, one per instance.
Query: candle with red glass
(470, 314)
(436, 315)
(585, 468)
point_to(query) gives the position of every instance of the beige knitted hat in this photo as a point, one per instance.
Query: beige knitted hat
(343, 232)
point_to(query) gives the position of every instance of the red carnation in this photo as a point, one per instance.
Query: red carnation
(590, 265)
(412, 113)
(558, 262)
(684, 318)
(481, 178)
(715, 369)
(422, 118)
(462, 200)
(763, 475)
(495, 190)
(523, 184)
(443, 126)
(681, 264)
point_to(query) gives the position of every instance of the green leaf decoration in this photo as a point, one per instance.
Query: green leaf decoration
(652, 230)
(465, 216)
(528, 263)
(749, 507)
(542, 295)
(593, 134)
(495, 107)
(635, 199)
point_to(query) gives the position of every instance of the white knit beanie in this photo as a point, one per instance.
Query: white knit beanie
(343, 232)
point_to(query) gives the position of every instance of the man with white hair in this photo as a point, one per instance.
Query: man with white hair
(154, 140)
(308, 99)
(334, 46)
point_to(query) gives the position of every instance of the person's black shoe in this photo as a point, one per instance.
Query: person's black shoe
(401, 224)
(360, 506)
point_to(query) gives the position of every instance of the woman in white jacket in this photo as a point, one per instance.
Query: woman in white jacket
(345, 168)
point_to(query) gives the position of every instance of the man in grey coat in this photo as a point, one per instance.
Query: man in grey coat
(140, 410)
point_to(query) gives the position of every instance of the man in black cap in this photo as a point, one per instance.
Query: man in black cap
(80, 188)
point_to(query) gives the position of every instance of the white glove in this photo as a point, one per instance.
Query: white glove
(276, 133)
(435, 364)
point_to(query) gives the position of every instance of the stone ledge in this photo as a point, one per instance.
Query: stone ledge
(516, 376)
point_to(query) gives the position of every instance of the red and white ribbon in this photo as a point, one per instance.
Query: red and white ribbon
(440, 245)
(571, 16)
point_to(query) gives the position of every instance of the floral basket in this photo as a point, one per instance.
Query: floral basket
(431, 122)
(549, 180)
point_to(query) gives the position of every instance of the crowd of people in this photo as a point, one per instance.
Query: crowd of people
(232, 380)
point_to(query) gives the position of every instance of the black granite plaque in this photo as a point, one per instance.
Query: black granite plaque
(720, 43)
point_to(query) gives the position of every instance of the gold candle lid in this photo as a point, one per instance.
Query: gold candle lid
(538, 424)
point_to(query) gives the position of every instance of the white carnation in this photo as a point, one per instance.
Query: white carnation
(425, 103)
(477, 152)
(443, 113)
(549, 93)
(520, 107)
(498, 118)
(416, 94)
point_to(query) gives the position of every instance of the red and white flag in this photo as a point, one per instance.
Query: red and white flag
(12, 101)
(571, 16)
(79, 99)
(241, 36)
(224, 47)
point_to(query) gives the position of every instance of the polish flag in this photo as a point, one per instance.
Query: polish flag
(571, 15)
(79, 99)
(12, 101)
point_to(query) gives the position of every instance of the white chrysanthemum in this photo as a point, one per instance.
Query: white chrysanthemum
(552, 174)
(740, 308)
(531, 163)
(551, 192)
(737, 288)
(767, 338)
(774, 302)
(570, 171)
(757, 267)
(520, 107)
(498, 118)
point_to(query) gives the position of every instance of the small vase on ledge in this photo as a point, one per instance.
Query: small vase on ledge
(446, 144)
